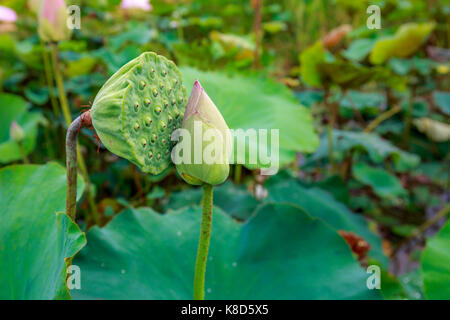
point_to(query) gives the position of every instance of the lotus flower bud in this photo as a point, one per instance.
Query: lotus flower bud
(16, 132)
(201, 156)
(138, 108)
(53, 21)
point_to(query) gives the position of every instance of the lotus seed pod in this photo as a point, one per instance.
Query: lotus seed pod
(209, 145)
(127, 112)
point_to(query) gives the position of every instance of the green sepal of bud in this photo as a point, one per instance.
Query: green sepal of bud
(202, 116)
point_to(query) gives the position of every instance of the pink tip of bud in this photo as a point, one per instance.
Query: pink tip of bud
(50, 8)
(7, 14)
(136, 4)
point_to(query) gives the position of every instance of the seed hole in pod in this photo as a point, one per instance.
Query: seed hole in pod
(162, 124)
(136, 126)
(170, 118)
(155, 93)
(158, 110)
(166, 103)
(159, 156)
(136, 107)
(163, 141)
(143, 142)
(153, 138)
(177, 114)
(169, 89)
(147, 102)
(161, 85)
(180, 99)
(164, 73)
(174, 102)
(148, 121)
(150, 155)
(152, 72)
(142, 84)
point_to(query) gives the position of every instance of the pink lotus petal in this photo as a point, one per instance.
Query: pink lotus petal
(136, 4)
(7, 14)
(50, 8)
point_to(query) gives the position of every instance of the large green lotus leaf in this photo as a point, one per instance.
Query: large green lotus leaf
(232, 199)
(14, 108)
(436, 265)
(280, 253)
(382, 182)
(320, 204)
(377, 148)
(407, 40)
(35, 238)
(259, 103)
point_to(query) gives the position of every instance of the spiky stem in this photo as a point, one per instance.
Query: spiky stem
(71, 164)
(203, 245)
(66, 111)
(71, 161)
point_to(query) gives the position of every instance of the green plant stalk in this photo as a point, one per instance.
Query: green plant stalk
(382, 117)
(237, 173)
(330, 130)
(66, 112)
(23, 153)
(257, 29)
(408, 116)
(60, 84)
(203, 245)
(427, 224)
(49, 79)
(330, 145)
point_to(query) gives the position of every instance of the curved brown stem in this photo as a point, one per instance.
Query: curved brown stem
(71, 161)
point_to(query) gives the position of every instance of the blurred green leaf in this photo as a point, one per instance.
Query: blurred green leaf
(407, 40)
(310, 59)
(436, 265)
(359, 49)
(259, 103)
(382, 182)
(377, 148)
(14, 108)
(442, 101)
